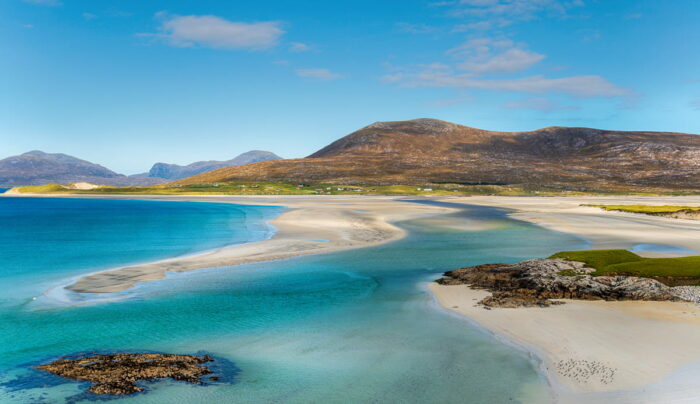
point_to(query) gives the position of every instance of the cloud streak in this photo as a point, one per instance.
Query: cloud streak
(318, 74)
(577, 86)
(514, 9)
(493, 56)
(538, 104)
(215, 32)
(299, 47)
(51, 3)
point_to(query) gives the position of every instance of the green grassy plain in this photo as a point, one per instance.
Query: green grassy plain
(279, 188)
(672, 271)
(272, 188)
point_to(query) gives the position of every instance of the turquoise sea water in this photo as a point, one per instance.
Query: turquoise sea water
(355, 326)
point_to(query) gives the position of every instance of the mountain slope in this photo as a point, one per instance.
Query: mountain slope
(38, 168)
(175, 172)
(427, 151)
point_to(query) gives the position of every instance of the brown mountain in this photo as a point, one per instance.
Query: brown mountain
(431, 151)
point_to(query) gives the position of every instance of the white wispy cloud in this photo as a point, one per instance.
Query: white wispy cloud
(52, 3)
(538, 104)
(516, 9)
(493, 56)
(483, 25)
(299, 47)
(490, 15)
(318, 74)
(511, 60)
(216, 32)
(89, 16)
(577, 86)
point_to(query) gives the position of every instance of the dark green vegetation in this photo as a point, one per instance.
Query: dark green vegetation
(671, 271)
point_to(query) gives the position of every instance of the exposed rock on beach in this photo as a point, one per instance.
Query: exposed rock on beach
(536, 282)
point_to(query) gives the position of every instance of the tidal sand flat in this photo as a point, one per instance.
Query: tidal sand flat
(310, 225)
(599, 350)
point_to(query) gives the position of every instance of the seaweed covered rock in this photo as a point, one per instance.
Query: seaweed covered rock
(118, 373)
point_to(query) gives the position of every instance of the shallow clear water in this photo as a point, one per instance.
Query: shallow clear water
(356, 326)
(46, 240)
(661, 248)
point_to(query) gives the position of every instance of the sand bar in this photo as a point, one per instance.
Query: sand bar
(603, 229)
(312, 225)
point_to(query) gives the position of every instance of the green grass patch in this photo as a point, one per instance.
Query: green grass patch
(649, 209)
(599, 259)
(276, 188)
(672, 271)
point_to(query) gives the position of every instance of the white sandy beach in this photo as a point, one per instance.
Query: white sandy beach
(596, 351)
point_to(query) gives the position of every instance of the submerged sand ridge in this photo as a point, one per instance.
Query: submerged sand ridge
(312, 225)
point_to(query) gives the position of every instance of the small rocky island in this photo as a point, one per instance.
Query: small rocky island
(536, 282)
(118, 373)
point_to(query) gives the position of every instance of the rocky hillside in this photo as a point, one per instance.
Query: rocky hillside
(39, 168)
(175, 172)
(431, 151)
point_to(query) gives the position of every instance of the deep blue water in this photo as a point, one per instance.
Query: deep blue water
(2, 190)
(356, 326)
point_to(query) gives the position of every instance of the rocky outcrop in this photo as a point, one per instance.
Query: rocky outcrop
(118, 373)
(690, 214)
(536, 282)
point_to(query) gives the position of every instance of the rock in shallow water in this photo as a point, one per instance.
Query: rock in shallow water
(118, 373)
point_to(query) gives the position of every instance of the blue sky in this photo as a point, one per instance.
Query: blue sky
(126, 83)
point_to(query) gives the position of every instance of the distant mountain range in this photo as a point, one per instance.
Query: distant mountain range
(176, 172)
(38, 168)
(424, 151)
